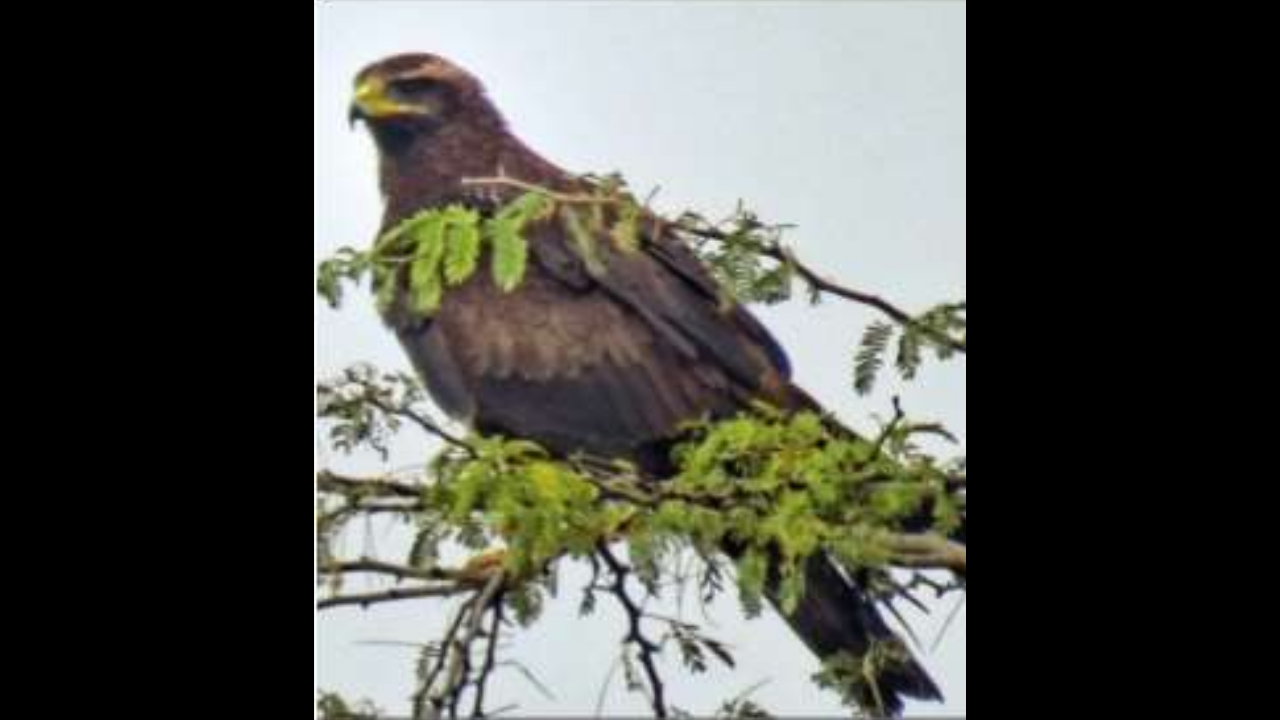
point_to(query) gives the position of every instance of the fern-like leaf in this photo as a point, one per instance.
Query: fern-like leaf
(870, 359)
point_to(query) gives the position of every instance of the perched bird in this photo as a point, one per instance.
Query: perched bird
(611, 364)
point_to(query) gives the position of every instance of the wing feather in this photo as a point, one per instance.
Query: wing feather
(608, 364)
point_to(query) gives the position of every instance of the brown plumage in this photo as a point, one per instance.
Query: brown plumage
(610, 365)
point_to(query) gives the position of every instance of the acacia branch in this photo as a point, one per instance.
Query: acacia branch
(898, 315)
(490, 659)
(399, 572)
(424, 422)
(774, 251)
(420, 698)
(559, 197)
(777, 252)
(328, 481)
(442, 582)
(457, 675)
(367, 600)
(648, 649)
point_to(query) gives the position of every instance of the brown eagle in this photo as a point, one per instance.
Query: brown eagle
(611, 364)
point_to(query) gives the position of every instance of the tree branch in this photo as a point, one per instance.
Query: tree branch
(635, 634)
(331, 482)
(459, 664)
(490, 659)
(367, 600)
(774, 251)
(425, 423)
(399, 572)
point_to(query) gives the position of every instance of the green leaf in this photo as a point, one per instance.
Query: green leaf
(426, 286)
(871, 356)
(910, 354)
(753, 571)
(347, 265)
(626, 231)
(510, 255)
(462, 255)
(384, 284)
(528, 208)
(791, 591)
(584, 242)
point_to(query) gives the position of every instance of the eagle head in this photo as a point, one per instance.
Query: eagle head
(409, 96)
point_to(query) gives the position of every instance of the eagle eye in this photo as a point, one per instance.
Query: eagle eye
(413, 86)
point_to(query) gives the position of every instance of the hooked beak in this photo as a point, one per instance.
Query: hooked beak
(355, 115)
(372, 102)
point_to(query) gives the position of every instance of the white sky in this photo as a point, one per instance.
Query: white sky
(846, 119)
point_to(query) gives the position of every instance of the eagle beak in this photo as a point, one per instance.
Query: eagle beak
(372, 102)
(369, 103)
(355, 115)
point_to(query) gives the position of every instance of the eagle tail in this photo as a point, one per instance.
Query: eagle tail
(836, 616)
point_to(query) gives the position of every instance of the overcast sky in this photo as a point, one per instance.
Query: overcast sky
(845, 119)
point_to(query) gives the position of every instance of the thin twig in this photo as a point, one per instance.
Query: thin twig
(425, 423)
(420, 698)
(367, 600)
(778, 252)
(490, 659)
(459, 665)
(946, 625)
(328, 481)
(831, 287)
(399, 572)
(559, 197)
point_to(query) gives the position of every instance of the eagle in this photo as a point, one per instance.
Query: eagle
(613, 364)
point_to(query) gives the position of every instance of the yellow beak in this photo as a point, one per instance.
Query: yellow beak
(372, 103)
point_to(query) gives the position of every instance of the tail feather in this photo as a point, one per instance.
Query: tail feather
(836, 616)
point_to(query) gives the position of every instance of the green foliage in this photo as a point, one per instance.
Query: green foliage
(741, 253)
(510, 248)
(696, 649)
(356, 406)
(782, 488)
(777, 488)
(753, 569)
(938, 331)
(581, 230)
(510, 492)
(442, 248)
(435, 250)
(871, 353)
(626, 231)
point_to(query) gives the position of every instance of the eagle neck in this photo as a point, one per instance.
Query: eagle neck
(429, 173)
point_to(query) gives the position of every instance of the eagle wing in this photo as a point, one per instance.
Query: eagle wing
(612, 362)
